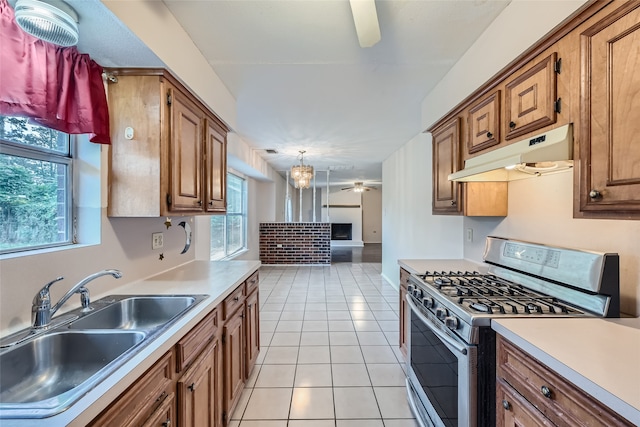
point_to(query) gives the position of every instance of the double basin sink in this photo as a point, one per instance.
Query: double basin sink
(44, 374)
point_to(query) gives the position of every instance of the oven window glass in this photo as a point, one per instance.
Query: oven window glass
(437, 370)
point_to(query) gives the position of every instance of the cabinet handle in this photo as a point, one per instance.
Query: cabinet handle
(453, 203)
(211, 203)
(489, 135)
(595, 194)
(249, 307)
(167, 423)
(236, 298)
(506, 405)
(512, 125)
(192, 387)
(545, 391)
(162, 395)
(199, 203)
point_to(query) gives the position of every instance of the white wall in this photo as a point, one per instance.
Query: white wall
(409, 231)
(345, 215)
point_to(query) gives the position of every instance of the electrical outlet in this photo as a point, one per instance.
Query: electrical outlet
(469, 235)
(157, 240)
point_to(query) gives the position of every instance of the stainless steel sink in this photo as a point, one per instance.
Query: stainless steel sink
(142, 313)
(46, 372)
(54, 368)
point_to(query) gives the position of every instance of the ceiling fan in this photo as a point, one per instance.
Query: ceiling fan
(358, 187)
(365, 18)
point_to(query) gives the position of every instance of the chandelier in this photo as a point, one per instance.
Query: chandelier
(302, 173)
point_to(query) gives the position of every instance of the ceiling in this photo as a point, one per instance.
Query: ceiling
(300, 78)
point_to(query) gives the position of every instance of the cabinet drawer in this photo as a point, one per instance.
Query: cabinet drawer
(252, 283)
(192, 344)
(232, 302)
(165, 415)
(557, 399)
(140, 401)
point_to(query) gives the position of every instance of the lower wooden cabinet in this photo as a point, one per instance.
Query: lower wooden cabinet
(199, 381)
(140, 401)
(252, 346)
(233, 340)
(199, 391)
(165, 415)
(404, 282)
(529, 393)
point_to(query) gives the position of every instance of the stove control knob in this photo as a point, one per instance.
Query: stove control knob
(417, 293)
(410, 288)
(451, 322)
(427, 302)
(441, 313)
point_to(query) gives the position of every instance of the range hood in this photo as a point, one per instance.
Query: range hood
(542, 154)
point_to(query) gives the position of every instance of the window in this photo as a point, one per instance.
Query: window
(35, 186)
(228, 232)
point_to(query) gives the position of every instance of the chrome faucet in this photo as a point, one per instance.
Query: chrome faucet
(42, 311)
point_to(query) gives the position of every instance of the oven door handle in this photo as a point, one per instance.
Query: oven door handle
(444, 337)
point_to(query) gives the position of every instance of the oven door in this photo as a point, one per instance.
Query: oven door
(441, 372)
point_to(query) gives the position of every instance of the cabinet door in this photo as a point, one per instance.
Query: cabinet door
(252, 332)
(610, 114)
(165, 415)
(484, 124)
(215, 168)
(531, 99)
(198, 394)
(512, 410)
(185, 154)
(233, 339)
(446, 160)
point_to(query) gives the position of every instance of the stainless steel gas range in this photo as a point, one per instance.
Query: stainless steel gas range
(451, 364)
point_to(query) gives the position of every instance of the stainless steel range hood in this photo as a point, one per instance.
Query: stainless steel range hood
(542, 154)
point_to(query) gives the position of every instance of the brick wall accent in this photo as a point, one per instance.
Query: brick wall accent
(295, 243)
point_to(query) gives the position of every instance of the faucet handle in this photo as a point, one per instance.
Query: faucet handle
(43, 297)
(41, 308)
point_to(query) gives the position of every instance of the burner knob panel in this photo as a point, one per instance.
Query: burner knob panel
(451, 322)
(441, 313)
(427, 302)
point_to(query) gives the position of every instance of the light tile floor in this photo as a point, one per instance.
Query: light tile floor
(329, 351)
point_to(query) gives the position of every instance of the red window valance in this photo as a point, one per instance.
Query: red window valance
(55, 86)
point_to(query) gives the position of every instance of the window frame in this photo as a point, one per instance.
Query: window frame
(242, 214)
(17, 149)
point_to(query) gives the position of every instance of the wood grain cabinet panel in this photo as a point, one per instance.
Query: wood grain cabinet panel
(610, 89)
(531, 99)
(233, 342)
(446, 160)
(141, 400)
(165, 415)
(514, 410)
(252, 316)
(404, 333)
(484, 124)
(215, 167)
(199, 393)
(550, 394)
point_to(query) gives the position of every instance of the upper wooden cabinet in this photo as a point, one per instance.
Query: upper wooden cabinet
(168, 154)
(530, 98)
(610, 122)
(446, 160)
(484, 123)
(453, 198)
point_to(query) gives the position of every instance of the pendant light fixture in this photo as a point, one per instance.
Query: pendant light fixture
(302, 173)
(53, 21)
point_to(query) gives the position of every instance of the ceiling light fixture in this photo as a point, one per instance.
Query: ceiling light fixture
(50, 20)
(302, 173)
(365, 18)
(358, 187)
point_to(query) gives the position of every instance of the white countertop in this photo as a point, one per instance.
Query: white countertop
(217, 279)
(419, 266)
(599, 356)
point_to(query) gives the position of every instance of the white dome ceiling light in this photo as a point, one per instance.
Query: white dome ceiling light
(50, 20)
(365, 18)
